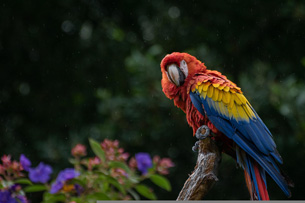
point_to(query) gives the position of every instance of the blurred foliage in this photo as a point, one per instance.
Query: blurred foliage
(110, 175)
(87, 68)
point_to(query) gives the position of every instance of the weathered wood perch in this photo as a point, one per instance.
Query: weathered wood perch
(205, 172)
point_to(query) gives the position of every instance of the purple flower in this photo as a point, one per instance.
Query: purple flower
(56, 186)
(22, 199)
(15, 188)
(143, 162)
(64, 175)
(41, 173)
(67, 174)
(5, 197)
(25, 162)
(79, 189)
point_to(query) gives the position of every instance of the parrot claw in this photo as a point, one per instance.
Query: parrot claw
(195, 147)
(202, 132)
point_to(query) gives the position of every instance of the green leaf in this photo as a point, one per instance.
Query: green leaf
(102, 182)
(146, 192)
(35, 188)
(76, 199)
(105, 186)
(98, 196)
(23, 181)
(97, 149)
(133, 179)
(51, 198)
(72, 161)
(161, 182)
(134, 194)
(116, 184)
(117, 164)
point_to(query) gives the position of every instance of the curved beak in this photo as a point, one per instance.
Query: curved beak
(175, 75)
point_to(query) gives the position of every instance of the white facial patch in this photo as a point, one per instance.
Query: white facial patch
(173, 74)
(184, 68)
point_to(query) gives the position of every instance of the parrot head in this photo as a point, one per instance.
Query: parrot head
(177, 70)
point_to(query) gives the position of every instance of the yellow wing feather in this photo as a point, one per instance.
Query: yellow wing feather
(227, 88)
(226, 101)
(219, 95)
(215, 94)
(210, 91)
(232, 102)
(216, 85)
(200, 88)
(205, 86)
(237, 100)
(226, 97)
(234, 111)
(242, 98)
(221, 87)
(204, 94)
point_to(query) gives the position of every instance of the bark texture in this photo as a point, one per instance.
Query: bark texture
(205, 173)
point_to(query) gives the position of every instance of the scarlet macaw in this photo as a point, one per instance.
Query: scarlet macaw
(209, 98)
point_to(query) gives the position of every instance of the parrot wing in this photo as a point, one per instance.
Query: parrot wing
(231, 113)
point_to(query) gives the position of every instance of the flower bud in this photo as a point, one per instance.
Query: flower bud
(79, 150)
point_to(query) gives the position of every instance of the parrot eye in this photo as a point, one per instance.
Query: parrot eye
(177, 74)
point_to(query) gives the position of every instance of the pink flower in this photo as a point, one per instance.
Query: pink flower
(163, 166)
(120, 150)
(93, 162)
(156, 159)
(79, 150)
(11, 167)
(113, 152)
(6, 160)
(110, 144)
(123, 157)
(107, 144)
(2, 170)
(132, 163)
(118, 174)
(15, 166)
(116, 143)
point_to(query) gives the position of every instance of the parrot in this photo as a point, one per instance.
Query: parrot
(210, 99)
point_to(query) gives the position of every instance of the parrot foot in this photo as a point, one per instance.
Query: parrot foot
(202, 132)
(195, 147)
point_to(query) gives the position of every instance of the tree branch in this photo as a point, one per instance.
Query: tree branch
(204, 176)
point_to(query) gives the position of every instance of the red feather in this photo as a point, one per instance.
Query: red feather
(261, 184)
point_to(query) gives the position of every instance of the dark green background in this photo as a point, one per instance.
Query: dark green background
(71, 70)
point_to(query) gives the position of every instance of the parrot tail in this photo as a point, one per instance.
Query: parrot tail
(255, 176)
(256, 181)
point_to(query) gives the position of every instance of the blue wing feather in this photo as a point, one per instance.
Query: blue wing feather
(197, 103)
